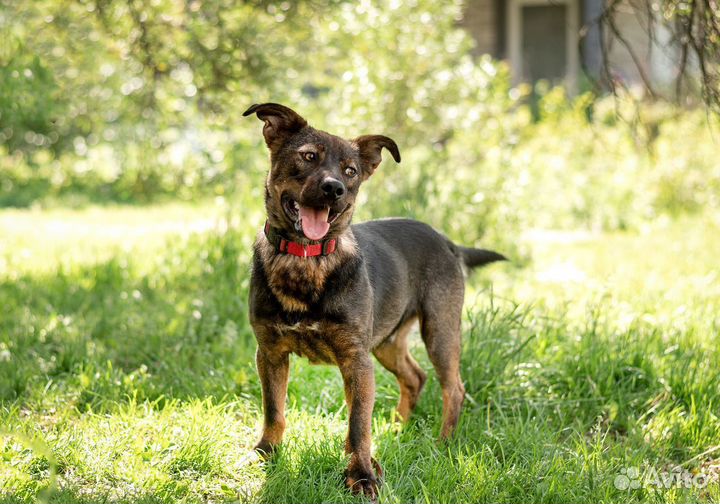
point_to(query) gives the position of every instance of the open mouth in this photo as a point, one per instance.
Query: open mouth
(314, 223)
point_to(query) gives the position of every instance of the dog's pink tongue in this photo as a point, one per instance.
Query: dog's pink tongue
(314, 222)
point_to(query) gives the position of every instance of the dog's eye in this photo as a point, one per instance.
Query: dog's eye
(350, 171)
(309, 156)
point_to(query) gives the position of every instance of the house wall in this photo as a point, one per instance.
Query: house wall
(487, 21)
(481, 20)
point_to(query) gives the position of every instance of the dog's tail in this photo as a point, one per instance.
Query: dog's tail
(475, 258)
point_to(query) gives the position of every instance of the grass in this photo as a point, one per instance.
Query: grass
(126, 370)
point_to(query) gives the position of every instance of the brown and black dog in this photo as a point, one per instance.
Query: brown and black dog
(336, 293)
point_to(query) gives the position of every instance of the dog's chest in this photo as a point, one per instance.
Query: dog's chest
(297, 282)
(312, 340)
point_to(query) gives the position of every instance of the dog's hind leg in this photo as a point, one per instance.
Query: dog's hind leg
(393, 354)
(440, 330)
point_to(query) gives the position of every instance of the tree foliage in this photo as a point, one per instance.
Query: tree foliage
(134, 67)
(135, 100)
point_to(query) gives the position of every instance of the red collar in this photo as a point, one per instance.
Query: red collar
(284, 246)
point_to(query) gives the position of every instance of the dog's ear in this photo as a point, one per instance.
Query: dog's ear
(370, 146)
(280, 122)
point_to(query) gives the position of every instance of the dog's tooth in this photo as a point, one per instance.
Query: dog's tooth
(297, 207)
(298, 225)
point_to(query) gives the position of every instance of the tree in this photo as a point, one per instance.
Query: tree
(695, 30)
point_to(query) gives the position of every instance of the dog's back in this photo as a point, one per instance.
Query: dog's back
(408, 261)
(418, 242)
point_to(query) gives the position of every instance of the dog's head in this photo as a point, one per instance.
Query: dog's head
(314, 176)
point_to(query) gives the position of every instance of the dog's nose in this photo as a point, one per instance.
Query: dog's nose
(332, 188)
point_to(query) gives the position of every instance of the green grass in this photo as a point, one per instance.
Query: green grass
(126, 369)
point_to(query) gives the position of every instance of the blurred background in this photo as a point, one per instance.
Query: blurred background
(499, 107)
(578, 137)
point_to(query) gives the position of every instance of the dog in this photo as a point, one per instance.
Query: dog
(336, 293)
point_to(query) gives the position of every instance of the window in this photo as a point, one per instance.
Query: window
(543, 40)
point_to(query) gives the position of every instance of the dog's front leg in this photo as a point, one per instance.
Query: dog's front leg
(273, 369)
(359, 379)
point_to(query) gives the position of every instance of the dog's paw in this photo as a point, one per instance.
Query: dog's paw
(265, 449)
(364, 480)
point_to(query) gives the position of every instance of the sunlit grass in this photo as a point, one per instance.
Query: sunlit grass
(126, 369)
(41, 240)
(667, 273)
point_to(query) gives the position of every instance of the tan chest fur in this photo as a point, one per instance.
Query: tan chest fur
(299, 281)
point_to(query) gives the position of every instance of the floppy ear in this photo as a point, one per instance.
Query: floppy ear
(370, 146)
(280, 122)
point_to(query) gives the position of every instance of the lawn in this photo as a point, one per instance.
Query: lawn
(126, 370)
